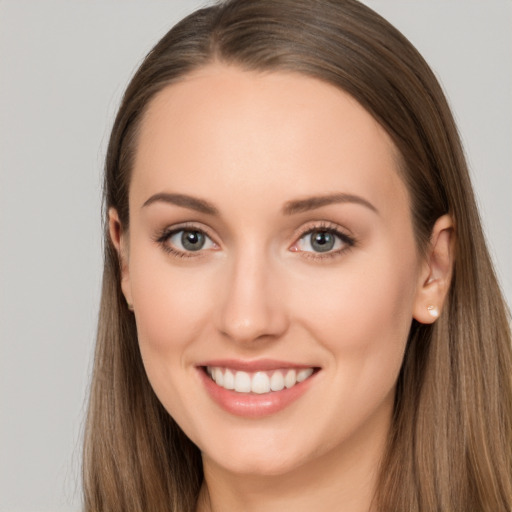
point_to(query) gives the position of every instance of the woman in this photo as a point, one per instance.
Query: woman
(298, 306)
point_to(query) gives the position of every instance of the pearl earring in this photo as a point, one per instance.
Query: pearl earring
(433, 310)
(130, 306)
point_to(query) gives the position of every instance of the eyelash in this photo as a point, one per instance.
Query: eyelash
(348, 241)
(163, 240)
(323, 227)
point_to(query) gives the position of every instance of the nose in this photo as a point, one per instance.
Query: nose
(251, 306)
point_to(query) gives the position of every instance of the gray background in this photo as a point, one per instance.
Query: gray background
(63, 67)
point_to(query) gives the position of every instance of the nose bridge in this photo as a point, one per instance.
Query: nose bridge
(252, 308)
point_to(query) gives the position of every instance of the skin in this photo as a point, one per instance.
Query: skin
(249, 146)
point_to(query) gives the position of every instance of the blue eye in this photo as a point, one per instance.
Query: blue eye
(323, 241)
(184, 241)
(189, 240)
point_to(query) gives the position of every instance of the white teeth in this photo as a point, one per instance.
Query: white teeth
(277, 381)
(242, 382)
(258, 382)
(229, 380)
(218, 376)
(290, 378)
(304, 374)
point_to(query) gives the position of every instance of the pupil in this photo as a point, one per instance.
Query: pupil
(322, 241)
(192, 240)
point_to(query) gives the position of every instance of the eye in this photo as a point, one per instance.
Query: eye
(182, 242)
(186, 240)
(322, 240)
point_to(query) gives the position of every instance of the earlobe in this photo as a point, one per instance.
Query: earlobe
(118, 238)
(435, 277)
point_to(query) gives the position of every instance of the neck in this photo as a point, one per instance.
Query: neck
(343, 480)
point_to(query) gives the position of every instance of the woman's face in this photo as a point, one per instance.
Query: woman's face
(270, 245)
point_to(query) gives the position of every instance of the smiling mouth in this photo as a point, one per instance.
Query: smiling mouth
(259, 382)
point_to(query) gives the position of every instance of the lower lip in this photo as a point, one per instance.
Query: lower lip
(252, 405)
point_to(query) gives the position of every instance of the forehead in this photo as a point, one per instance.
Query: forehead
(275, 134)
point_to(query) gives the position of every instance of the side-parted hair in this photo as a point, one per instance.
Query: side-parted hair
(450, 445)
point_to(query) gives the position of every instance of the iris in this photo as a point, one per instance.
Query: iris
(322, 241)
(192, 240)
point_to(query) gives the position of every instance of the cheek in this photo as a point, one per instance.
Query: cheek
(362, 312)
(171, 304)
(170, 307)
(361, 315)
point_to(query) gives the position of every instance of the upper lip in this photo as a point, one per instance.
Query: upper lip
(254, 365)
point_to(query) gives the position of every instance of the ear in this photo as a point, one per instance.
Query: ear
(436, 273)
(120, 242)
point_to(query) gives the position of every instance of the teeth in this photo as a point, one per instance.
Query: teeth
(258, 382)
(229, 380)
(290, 378)
(277, 381)
(218, 376)
(242, 382)
(304, 374)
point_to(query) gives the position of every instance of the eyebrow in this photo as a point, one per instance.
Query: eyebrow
(193, 203)
(290, 208)
(311, 203)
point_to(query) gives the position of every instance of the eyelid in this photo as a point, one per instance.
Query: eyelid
(348, 240)
(162, 238)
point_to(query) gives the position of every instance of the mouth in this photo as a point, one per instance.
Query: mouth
(255, 389)
(258, 382)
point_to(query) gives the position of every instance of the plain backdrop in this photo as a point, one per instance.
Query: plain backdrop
(63, 67)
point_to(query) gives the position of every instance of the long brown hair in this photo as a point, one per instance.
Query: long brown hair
(450, 446)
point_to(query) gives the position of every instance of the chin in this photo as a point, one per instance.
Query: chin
(270, 466)
(269, 456)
